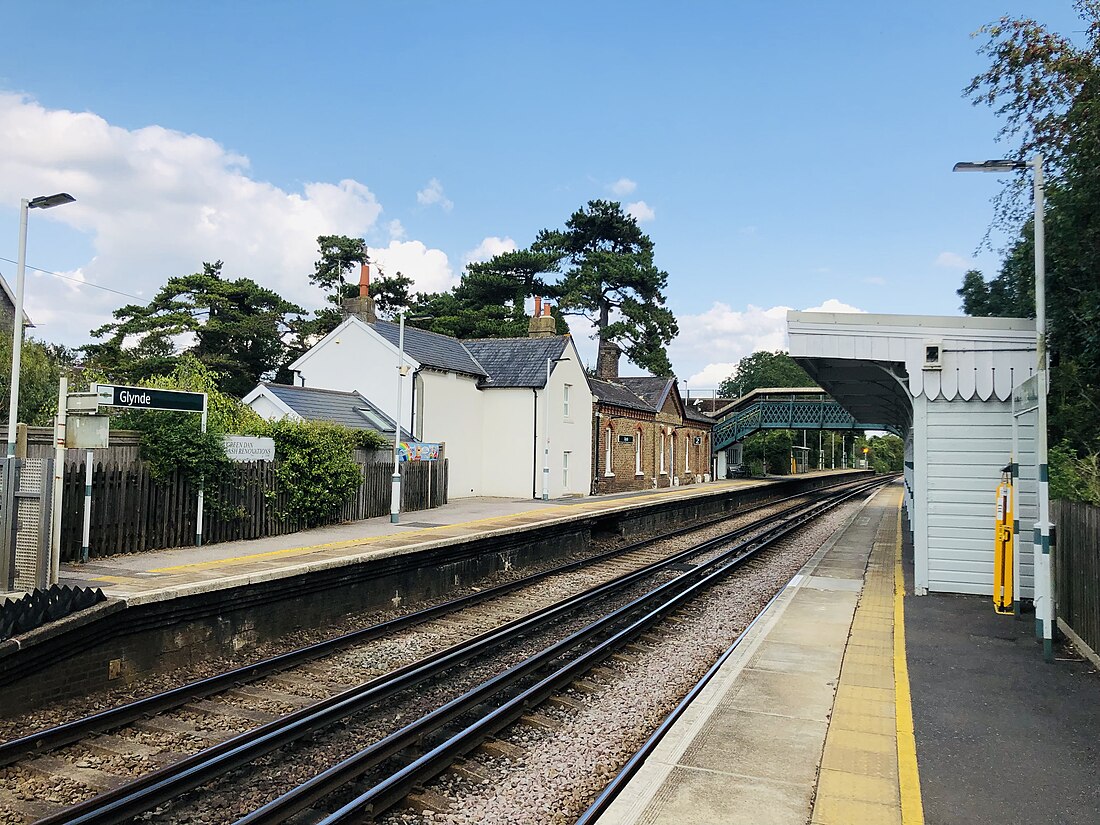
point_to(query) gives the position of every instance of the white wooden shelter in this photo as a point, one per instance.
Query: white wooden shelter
(947, 382)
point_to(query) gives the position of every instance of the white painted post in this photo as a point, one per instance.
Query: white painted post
(199, 509)
(1044, 571)
(546, 439)
(58, 478)
(395, 479)
(85, 542)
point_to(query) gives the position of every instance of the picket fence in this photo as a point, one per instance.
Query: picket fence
(132, 512)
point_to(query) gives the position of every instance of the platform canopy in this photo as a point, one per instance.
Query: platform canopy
(875, 365)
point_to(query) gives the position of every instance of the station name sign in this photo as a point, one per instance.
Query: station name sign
(143, 398)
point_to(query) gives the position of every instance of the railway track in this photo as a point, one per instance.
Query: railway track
(267, 706)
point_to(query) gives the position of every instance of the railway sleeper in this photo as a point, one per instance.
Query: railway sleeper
(541, 721)
(166, 725)
(93, 778)
(424, 800)
(502, 749)
(210, 708)
(471, 771)
(564, 702)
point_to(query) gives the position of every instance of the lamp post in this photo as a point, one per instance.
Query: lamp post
(1044, 585)
(395, 479)
(546, 423)
(44, 202)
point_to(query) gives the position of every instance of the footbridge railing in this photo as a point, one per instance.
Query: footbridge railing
(791, 412)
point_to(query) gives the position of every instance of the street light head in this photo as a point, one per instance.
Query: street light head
(990, 166)
(50, 201)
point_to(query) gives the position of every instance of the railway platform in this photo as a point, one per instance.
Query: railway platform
(143, 577)
(810, 719)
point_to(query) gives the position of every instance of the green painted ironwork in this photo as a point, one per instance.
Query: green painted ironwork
(787, 413)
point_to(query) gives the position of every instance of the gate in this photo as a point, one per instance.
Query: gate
(25, 495)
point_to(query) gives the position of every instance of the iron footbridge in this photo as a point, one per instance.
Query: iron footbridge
(785, 409)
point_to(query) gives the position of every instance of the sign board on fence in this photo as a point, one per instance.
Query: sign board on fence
(417, 451)
(249, 448)
(143, 398)
(88, 432)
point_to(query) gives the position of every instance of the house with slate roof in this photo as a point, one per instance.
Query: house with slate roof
(349, 409)
(488, 401)
(646, 436)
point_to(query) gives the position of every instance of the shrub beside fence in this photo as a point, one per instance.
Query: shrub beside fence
(132, 512)
(1077, 568)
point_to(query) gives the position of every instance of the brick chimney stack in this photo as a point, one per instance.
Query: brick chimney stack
(607, 361)
(362, 307)
(542, 323)
(364, 280)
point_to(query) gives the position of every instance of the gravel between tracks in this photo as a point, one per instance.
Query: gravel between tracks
(563, 770)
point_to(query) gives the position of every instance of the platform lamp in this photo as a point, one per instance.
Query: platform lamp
(546, 408)
(395, 479)
(1044, 589)
(44, 202)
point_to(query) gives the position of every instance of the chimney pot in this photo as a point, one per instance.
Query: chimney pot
(364, 280)
(538, 306)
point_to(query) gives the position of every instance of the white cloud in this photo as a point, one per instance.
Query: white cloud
(156, 203)
(640, 211)
(433, 194)
(396, 230)
(623, 186)
(429, 269)
(710, 344)
(833, 305)
(488, 248)
(951, 260)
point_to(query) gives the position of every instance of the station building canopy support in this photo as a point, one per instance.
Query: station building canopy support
(946, 384)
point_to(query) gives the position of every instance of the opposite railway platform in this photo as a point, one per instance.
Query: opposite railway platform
(154, 576)
(850, 702)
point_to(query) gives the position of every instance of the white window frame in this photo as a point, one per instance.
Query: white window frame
(607, 471)
(687, 453)
(565, 471)
(565, 400)
(638, 452)
(662, 470)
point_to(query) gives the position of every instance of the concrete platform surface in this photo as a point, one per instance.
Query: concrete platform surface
(799, 724)
(852, 702)
(154, 576)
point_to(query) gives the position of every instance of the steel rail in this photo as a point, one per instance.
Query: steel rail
(127, 800)
(395, 787)
(51, 738)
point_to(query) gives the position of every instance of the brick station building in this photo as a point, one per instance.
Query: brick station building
(645, 437)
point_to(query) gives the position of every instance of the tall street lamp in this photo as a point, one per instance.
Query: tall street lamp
(1044, 585)
(546, 423)
(44, 202)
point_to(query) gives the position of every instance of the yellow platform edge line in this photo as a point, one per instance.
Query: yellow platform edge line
(912, 808)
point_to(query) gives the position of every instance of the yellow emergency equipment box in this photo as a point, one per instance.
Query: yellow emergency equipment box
(1002, 555)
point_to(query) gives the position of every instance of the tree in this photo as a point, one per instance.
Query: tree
(490, 299)
(610, 278)
(764, 369)
(1045, 87)
(40, 368)
(239, 329)
(391, 295)
(339, 255)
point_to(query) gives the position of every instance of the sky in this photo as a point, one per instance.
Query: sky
(781, 155)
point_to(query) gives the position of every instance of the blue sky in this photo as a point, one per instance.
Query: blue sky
(783, 154)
